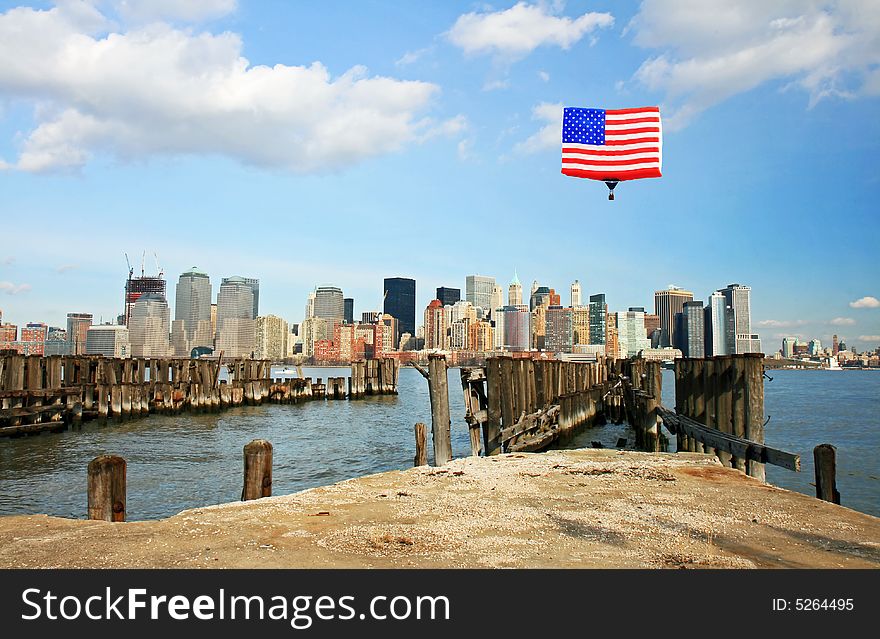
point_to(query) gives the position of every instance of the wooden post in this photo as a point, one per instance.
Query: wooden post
(257, 470)
(754, 408)
(440, 423)
(421, 458)
(737, 404)
(492, 428)
(824, 456)
(106, 488)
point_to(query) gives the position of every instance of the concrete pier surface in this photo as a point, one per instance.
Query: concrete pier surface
(560, 509)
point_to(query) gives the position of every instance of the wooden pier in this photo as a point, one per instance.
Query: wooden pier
(51, 393)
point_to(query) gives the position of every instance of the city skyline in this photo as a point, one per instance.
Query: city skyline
(469, 134)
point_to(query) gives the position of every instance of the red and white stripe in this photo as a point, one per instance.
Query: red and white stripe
(633, 148)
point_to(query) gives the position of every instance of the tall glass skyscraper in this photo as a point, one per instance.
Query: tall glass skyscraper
(666, 304)
(329, 303)
(192, 313)
(400, 302)
(448, 296)
(478, 290)
(235, 322)
(254, 283)
(598, 318)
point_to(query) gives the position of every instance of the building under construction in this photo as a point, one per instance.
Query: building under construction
(137, 286)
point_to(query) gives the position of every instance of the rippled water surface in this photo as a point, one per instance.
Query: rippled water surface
(191, 460)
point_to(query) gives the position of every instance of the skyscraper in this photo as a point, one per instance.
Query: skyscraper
(149, 326)
(192, 313)
(514, 292)
(77, 329)
(666, 304)
(598, 319)
(435, 326)
(576, 293)
(631, 335)
(137, 286)
(694, 338)
(448, 296)
(739, 319)
(540, 297)
(235, 323)
(348, 313)
(400, 301)
(558, 334)
(270, 338)
(109, 340)
(255, 289)
(478, 290)
(715, 325)
(516, 328)
(329, 303)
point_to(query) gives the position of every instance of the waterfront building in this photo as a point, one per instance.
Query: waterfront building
(598, 320)
(666, 304)
(715, 318)
(235, 322)
(478, 291)
(109, 340)
(514, 292)
(435, 326)
(448, 296)
(666, 354)
(329, 303)
(788, 346)
(739, 319)
(516, 328)
(631, 334)
(749, 343)
(137, 286)
(56, 342)
(192, 313)
(255, 289)
(348, 312)
(693, 329)
(558, 333)
(315, 329)
(459, 334)
(835, 345)
(575, 294)
(814, 348)
(270, 338)
(149, 326)
(400, 302)
(8, 335)
(498, 329)
(580, 324)
(77, 328)
(481, 336)
(33, 338)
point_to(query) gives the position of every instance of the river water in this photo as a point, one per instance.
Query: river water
(191, 460)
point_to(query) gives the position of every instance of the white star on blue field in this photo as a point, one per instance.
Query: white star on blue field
(583, 126)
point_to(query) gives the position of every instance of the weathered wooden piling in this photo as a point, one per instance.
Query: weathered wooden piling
(440, 422)
(106, 488)
(257, 470)
(421, 457)
(825, 460)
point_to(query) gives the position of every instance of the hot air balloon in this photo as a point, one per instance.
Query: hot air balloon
(612, 145)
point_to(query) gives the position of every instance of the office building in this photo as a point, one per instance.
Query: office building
(149, 326)
(666, 304)
(558, 333)
(575, 294)
(109, 340)
(137, 286)
(693, 343)
(788, 344)
(255, 289)
(481, 337)
(348, 312)
(77, 328)
(516, 328)
(192, 313)
(478, 291)
(448, 296)
(33, 338)
(715, 317)
(598, 318)
(631, 335)
(580, 324)
(270, 338)
(514, 292)
(329, 303)
(739, 318)
(435, 326)
(400, 302)
(235, 324)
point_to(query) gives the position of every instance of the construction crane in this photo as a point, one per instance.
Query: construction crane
(130, 270)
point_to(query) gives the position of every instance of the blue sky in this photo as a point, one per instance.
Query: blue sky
(344, 142)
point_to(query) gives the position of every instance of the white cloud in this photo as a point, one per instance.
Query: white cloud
(464, 149)
(411, 57)
(545, 77)
(14, 289)
(187, 11)
(157, 90)
(772, 323)
(496, 85)
(515, 32)
(869, 338)
(842, 321)
(710, 50)
(66, 267)
(549, 136)
(866, 302)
